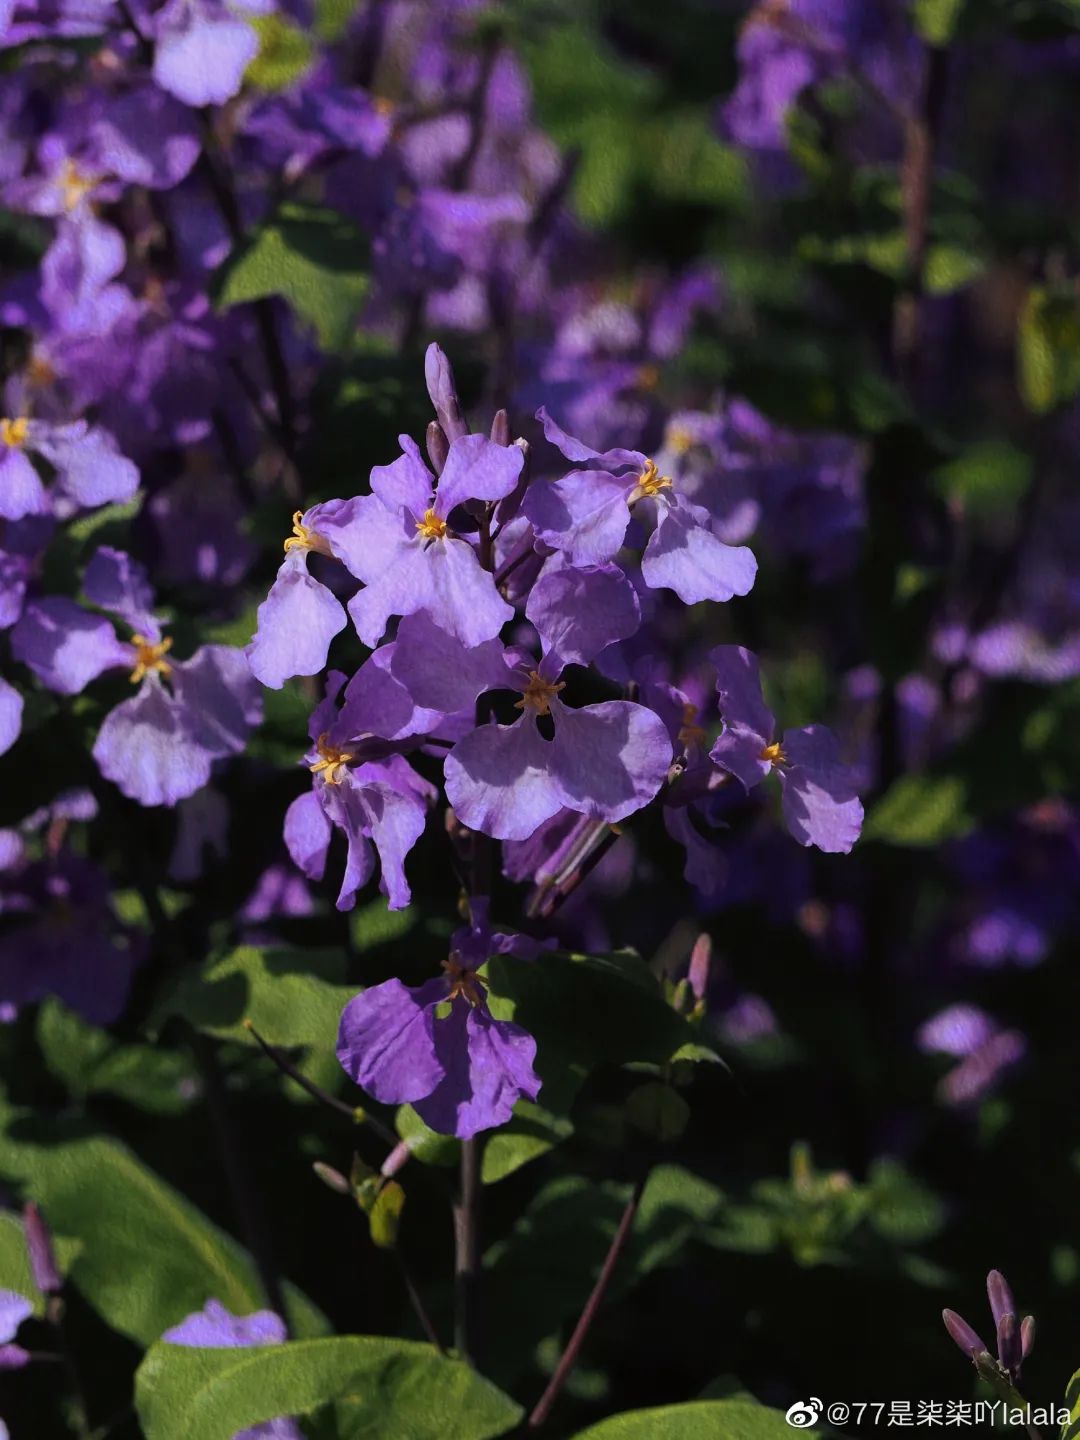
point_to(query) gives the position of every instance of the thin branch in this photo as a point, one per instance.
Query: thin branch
(570, 1355)
(467, 1251)
(420, 1310)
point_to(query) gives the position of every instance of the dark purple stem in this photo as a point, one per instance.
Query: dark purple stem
(592, 1306)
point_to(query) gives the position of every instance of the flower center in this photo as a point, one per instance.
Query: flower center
(539, 694)
(431, 527)
(331, 763)
(150, 657)
(774, 754)
(14, 432)
(649, 483)
(304, 539)
(73, 185)
(679, 439)
(690, 734)
(40, 372)
(465, 983)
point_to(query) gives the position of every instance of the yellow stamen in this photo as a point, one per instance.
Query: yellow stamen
(539, 694)
(431, 527)
(650, 483)
(648, 377)
(679, 439)
(304, 539)
(690, 734)
(14, 432)
(73, 185)
(464, 982)
(149, 657)
(774, 754)
(382, 106)
(331, 763)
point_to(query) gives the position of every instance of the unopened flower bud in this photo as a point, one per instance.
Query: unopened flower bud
(700, 965)
(39, 1248)
(396, 1159)
(1000, 1296)
(443, 392)
(438, 447)
(13, 1357)
(1008, 1343)
(500, 428)
(1027, 1335)
(963, 1334)
(332, 1178)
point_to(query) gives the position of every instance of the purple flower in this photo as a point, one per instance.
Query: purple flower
(14, 1309)
(203, 48)
(215, 1328)
(89, 469)
(586, 513)
(984, 1049)
(159, 746)
(404, 549)
(63, 939)
(819, 801)
(11, 710)
(605, 760)
(369, 793)
(300, 616)
(437, 1046)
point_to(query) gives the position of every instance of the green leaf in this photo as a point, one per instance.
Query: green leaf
(658, 1110)
(989, 479)
(530, 1132)
(89, 1061)
(585, 1011)
(383, 1387)
(15, 1264)
(1049, 348)
(285, 53)
(936, 20)
(950, 267)
(95, 1190)
(700, 1420)
(292, 997)
(920, 810)
(313, 258)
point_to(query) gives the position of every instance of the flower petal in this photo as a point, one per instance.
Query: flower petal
(820, 804)
(684, 555)
(489, 1067)
(65, 646)
(499, 780)
(609, 760)
(296, 623)
(144, 747)
(385, 1041)
(584, 514)
(307, 834)
(477, 469)
(579, 612)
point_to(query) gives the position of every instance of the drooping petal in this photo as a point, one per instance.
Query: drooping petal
(120, 584)
(477, 469)
(221, 698)
(489, 1067)
(499, 780)
(65, 646)
(578, 612)
(389, 801)
(609, 760)
(439, 672)
(296, 623)
(89, 468)
(584, 514)
(377, 703)
(21, 490)
(684, 555)
(820, 804)
(11, 710)
(385, 1041)
(706, 867)
(443, 577)
(748, 722)
(144, 747)
(577, 450)
(307, 834)
(146, 138)
(217, 1328)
